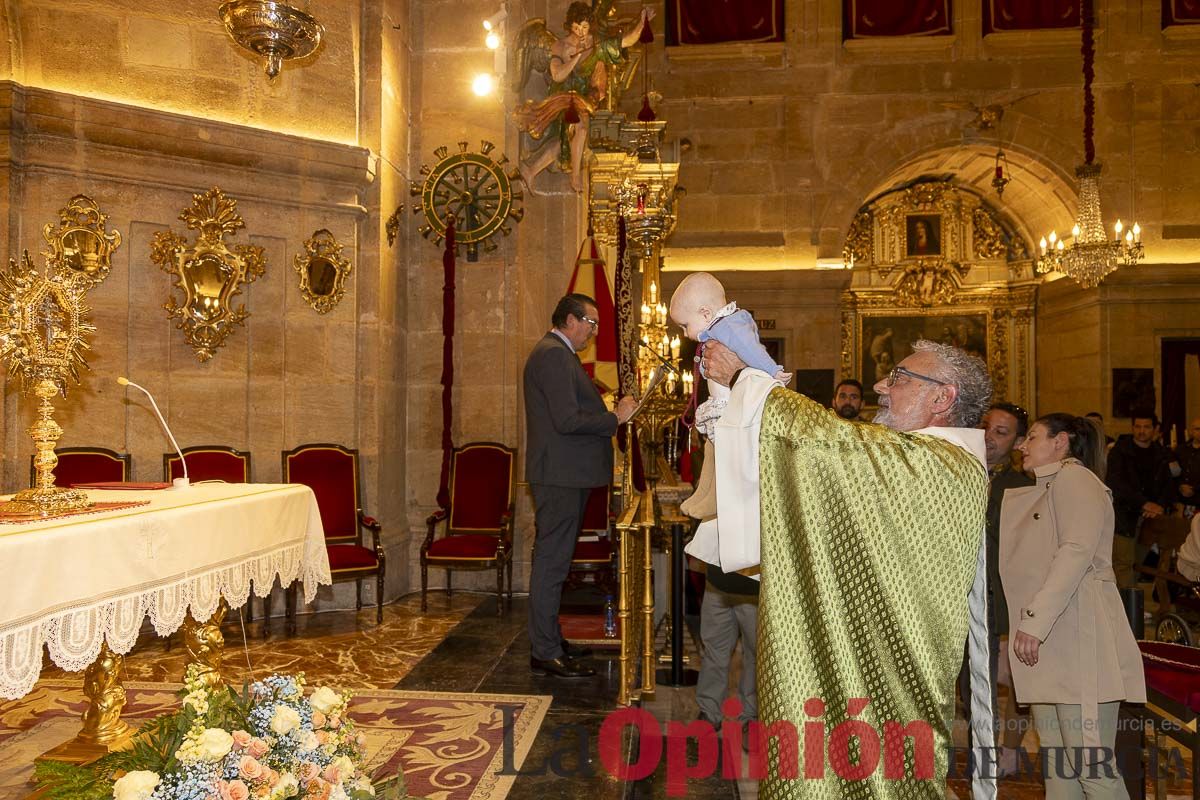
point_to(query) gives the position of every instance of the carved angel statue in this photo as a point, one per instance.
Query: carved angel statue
(576, 68)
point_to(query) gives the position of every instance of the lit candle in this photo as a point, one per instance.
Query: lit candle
(662, 314)
(1075, 230)
(671, 382)
(1042, 244)
(1137, 232)
(653, 293)
(645, 314)
(1053, 238)
(1128, 237)
(1118, 227)
(675, 348)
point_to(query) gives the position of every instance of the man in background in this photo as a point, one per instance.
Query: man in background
(568, 452)
(848, 399)
(1139, 474)
(1188, 455)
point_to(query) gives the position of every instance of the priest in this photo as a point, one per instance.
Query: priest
(869, 543)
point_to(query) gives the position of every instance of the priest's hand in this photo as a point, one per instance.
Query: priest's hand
(720, 363)
(624, 409)
(1025, 647)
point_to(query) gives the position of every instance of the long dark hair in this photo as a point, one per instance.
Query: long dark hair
(1085, 440)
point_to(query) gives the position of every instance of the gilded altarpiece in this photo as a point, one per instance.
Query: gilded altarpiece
(936, 261)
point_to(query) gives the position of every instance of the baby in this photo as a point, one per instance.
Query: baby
(700, 308)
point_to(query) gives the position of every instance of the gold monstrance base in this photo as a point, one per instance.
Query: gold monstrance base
(45, 499)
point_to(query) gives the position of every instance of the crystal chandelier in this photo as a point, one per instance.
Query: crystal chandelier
(1091, 255)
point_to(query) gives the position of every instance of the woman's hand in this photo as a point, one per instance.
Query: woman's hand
(1025, 648)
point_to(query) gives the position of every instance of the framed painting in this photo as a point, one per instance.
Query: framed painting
(922, 235)
(886, 339)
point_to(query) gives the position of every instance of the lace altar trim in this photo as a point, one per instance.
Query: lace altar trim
(73, 635)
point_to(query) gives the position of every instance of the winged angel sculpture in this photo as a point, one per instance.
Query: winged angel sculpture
(576, 68)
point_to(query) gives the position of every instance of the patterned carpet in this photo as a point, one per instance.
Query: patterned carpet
(450, 746)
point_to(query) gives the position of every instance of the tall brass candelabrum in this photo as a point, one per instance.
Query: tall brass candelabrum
(659, 349)
(43, 334)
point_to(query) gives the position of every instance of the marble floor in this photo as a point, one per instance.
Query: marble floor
(461, 645)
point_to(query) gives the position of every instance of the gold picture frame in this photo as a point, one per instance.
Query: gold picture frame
(323, 271)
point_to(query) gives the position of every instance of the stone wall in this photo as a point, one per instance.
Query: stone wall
(140, 109)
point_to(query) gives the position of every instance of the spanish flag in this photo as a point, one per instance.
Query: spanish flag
(591, 278)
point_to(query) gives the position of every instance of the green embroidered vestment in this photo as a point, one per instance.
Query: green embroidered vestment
(869, 544)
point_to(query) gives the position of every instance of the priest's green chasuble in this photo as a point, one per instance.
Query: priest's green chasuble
(869, 544)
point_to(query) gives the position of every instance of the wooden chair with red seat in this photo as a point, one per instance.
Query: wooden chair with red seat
(209, 462)
(214, 462)
(87, 465)
(479, 520)
(331, 471)
(595, 551)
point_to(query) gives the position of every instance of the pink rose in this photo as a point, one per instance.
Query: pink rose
(257, 748)
(323, 737)
(308, 772)
(241, 739)
(318, 719)
(332, 774)
(335, 722)
(234, 790)
(251, 769)
(272, 777)
(320, 790)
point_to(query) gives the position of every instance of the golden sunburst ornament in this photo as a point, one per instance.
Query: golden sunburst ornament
(43, 336)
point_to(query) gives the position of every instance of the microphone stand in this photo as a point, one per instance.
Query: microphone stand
(179, 483)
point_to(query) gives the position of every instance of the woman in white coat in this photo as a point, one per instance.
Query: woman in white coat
(1074, 655)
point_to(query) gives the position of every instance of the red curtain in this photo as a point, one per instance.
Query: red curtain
(717, 21)
(1180, 12)
(1029, 15)
(863, 19)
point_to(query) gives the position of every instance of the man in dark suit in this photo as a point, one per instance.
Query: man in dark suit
(568, 452)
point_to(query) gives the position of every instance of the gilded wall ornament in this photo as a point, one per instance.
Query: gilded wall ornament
(80, 247)
(392, 226)
(859, 246)
(928, 282)
(474, 189)
(208, 273)
(987, 235)
(322, 271)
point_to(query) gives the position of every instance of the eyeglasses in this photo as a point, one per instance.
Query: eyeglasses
(896, 372)
(595, 323)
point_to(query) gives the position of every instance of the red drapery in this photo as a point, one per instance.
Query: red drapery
(443, 496)
(1180, 12)
(718, 21)
(1029, 15)
(862, 19)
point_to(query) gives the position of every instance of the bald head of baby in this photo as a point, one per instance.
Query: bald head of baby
(697, 300)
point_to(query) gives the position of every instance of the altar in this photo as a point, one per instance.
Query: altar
(81, 585)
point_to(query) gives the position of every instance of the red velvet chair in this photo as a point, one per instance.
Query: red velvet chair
(595, 553)
(479, 521)
(209, 463)
(87, 465)
(331, 471)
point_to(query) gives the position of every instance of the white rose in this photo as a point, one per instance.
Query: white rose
(287, 786)
(214, 744)
(286, 718)
(325, 700)
(308, 740)
(344, 766)
(136, 785)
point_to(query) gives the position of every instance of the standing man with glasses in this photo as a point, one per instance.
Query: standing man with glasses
(568, 452)
(870, 543)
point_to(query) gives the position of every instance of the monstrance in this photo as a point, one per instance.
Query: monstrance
(43, 334)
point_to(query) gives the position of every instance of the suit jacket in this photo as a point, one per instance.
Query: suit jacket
(567, 426)
(1056, 565)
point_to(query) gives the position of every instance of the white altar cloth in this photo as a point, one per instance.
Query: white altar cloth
(71, 583)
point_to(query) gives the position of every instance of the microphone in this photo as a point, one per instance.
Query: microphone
(180, 483)
(669, 366)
